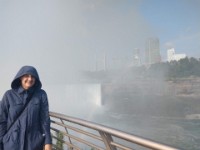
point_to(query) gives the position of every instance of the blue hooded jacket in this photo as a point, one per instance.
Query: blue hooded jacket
(31, 130)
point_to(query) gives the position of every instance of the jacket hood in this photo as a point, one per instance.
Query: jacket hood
(26, 70)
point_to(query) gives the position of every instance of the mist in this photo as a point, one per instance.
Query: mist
(68, 41)
(62, 38)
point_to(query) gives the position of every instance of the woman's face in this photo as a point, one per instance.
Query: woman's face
(27, 81)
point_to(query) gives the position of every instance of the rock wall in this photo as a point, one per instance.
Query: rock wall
(176, 98)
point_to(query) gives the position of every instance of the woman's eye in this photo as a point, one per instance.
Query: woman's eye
(26, 76)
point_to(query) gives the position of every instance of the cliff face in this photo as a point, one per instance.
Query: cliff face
(174, 98)
(186, 87)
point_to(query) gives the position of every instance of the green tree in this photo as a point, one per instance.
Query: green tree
(59, 143)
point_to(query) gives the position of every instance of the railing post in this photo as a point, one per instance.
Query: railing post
(70, 148)
(107, 139)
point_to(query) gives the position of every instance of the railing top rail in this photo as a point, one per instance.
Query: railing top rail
(121, 134)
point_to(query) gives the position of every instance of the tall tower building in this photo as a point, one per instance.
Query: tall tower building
(170, 54)
(152, 51)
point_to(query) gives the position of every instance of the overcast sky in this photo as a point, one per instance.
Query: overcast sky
(61, 37)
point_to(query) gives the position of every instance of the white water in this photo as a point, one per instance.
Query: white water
(78, 100)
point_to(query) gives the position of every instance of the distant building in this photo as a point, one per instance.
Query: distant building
(172, 56)
(152, 51)
(136, 57)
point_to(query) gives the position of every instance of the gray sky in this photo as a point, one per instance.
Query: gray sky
(61, 37)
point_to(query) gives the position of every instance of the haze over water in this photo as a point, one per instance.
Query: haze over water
(63, 38)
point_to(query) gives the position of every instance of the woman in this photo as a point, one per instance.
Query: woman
(24, 114)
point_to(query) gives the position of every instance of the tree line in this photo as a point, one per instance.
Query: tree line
(183, 68)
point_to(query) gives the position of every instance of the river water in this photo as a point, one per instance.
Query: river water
(179, 133)
(155, 122)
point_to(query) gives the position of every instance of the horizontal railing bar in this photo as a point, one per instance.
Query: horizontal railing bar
(78, 139)
(120, 146)
(78, 130)
(126, 136)
(67, 143)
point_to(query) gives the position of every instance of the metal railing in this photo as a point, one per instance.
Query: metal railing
(74, 133)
